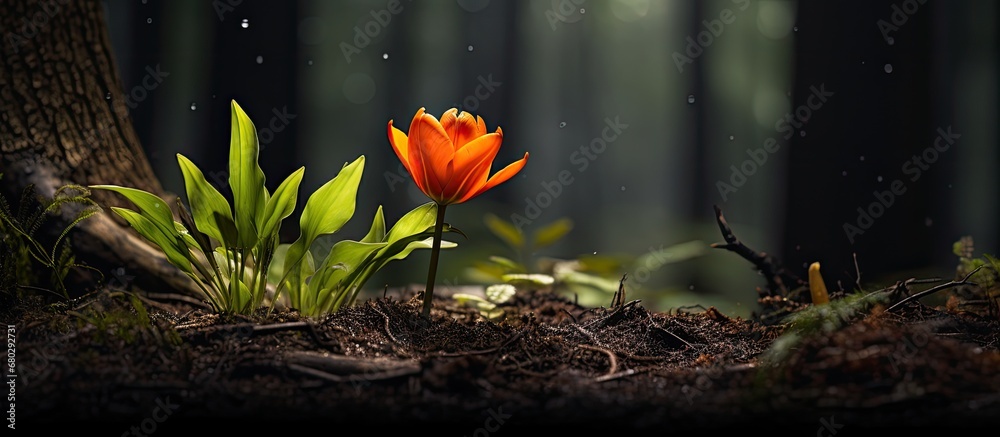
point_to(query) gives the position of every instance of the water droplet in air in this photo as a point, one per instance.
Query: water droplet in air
(888, 68)
(595, 252)
(879, 178)
(385, 56)
(470, 48)
(690, 98)
(309, 62)
(623, 188)
(890, 40)
(843, 173)
(194, 106)
(245, 23)
(213, 96)
(802, 133)
(583, 11)
(862, 157)
(107, 96)
(149, 20)
(731, 138)
(260, 59)
(795, 29)
(562, 124)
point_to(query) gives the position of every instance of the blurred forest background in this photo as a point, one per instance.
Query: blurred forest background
(692, 85)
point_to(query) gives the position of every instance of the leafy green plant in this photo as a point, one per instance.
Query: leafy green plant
(496, 295)
(232, 251)
(985, 274)
(22, 253)
(592, 278)
(337, 281)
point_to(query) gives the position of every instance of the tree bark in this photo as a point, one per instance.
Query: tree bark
(66, 120)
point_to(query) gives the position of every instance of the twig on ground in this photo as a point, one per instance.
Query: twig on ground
(609, 353)
(951, 284)
(613, 376)
(506, 342)
(778, 279)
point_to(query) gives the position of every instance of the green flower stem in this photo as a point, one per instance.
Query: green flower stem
(435, 252)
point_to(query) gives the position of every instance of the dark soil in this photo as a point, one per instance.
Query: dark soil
(99, 363)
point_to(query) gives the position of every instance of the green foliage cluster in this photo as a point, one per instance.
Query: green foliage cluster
(232, 251)
(589, 278)
(26, 262)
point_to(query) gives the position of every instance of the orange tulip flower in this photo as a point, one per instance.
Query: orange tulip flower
(450, 161)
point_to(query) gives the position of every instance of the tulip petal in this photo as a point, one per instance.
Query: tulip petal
(472, 165)
(399, 145)
(461, 128)
(498, 178)
(432, 151)
(481, 126)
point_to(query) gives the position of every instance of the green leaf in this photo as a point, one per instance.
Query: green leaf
(327, 210)
(377, 231)
(505, 231)
(529, 279)
(672, 254)
(421, 243)
(246, 179)
(509, 265)
(282, 203)
(500, 293)
(209, 208)
(150, 206)
(552, 233)
(169, 244)
(332, 205)
(585, 279)
(349, 255)
(486, 308)
(417, 221)
(185, 234)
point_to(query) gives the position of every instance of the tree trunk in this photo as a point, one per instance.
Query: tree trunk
(66, 120)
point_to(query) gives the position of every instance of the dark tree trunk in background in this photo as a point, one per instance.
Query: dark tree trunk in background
(66, 120)
(874, 122)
